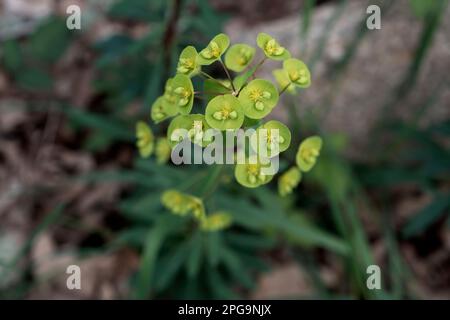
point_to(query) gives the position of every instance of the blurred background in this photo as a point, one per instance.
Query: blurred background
(74, 191)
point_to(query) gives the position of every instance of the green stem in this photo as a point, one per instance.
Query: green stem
(204, 74)
(212, 181)
(306, 22)
(283, 90)
(259, 65)
(228, 74)
(252, 72)
(208, 92)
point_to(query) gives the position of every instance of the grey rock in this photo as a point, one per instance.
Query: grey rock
(361, 97)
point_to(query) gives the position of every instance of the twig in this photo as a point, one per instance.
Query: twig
(228, 75)
(283, 90)
(204, 74)
(170, 32)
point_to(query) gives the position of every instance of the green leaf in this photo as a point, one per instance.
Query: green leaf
(125, 176)
(249, 241)
(12, 56)
(134, 237)
(195, 257)
(242, 79)
(112, 49)
(212, 88)
(49, 42)
(272, 217)
(253, 262)
(170, 265)
(213, 248)
(138, 10)
(308, 13)
(109, 126)
(439, 207)
(219, 286)
(34, 79)
(423, 8)
(236, 269)
(143, 208)
(153, 243)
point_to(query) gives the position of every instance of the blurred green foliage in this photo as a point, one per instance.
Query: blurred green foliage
(29, 62)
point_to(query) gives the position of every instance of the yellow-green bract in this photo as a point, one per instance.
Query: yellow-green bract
(250, 174)
(161, 111)
(258, 98)
(271, 47)
(288, 181)
(169, 99)
(183, 204)
(239, 56)
(274, 142)
(231, 104)
(184, 93)
(162, 150)
(224, 112)
(194, 126)
(283, 81)
(297, 72)
(145, 139)
(216, 47)
(216, 221)
(308, 152)
(188, 61)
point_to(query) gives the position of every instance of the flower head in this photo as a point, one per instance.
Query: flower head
(184, 93)
(216, 47)
(169, 98)
(288, 181)
(196, 207)
(145, 139)
(216, 221)
(258, 98)
(182, 204)
(175, 201)
(297, 72)
(250, 174)
(274, 136)
(283, 81)
(224, 112)
(187, 63)
(239, 56)
(308, 152)
(194, 126)
(271, 47)
(162, 150)
(161, 111)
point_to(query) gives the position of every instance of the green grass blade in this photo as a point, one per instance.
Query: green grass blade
(439, 207)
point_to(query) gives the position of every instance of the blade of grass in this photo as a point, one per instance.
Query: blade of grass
(308, 12)
(154, 239)
(100, 122)
(439, 207)
(430, 26)
(323, 40)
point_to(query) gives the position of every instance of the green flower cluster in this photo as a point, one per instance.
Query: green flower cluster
(145, 141)
(231, 104)
(306, 158)
(183, 204)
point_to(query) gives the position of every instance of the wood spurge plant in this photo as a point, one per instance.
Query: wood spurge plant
(231, 105)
